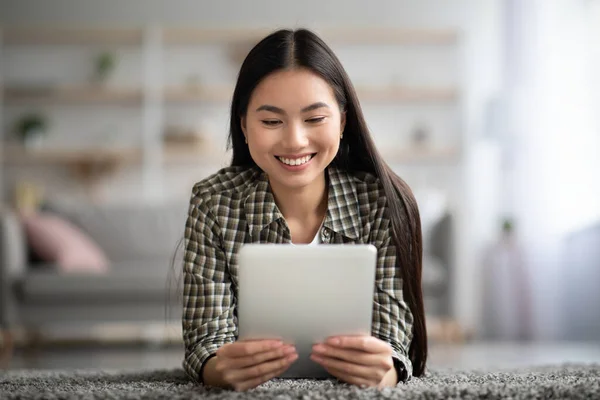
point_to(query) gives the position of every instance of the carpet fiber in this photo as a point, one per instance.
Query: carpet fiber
(572, 381)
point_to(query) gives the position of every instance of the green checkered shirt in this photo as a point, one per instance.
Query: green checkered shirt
(236, 206)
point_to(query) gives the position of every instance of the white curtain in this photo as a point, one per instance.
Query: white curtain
(555, 176)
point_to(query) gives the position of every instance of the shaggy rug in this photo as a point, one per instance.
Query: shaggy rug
(569, 381)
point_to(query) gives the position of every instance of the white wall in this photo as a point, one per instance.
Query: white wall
(265, 13)
(478, 73)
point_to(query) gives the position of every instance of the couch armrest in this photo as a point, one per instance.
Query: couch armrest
(13, 260)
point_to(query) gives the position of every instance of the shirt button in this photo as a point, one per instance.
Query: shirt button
(325, 234)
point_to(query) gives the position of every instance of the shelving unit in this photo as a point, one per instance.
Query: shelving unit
(154, 96)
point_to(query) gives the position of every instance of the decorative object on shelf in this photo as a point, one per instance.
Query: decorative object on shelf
(32, 130)
(420, 135)
(187, 137)
(191, 145)
(28, 197)
(104, 65)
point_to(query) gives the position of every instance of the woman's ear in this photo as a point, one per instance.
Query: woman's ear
(243, 126)
(343, 122)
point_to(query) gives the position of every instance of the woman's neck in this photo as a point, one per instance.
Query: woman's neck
(308, 203)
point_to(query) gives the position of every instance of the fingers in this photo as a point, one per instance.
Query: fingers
(369, 344)
(257, 374)
(382, 360)
(254, 382)
(257, 358)
(350, 370)
(353, 380)
(247, 348)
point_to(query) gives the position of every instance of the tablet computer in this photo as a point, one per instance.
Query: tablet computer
(303, 294)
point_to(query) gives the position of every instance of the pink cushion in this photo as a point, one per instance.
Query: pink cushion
(56, 240)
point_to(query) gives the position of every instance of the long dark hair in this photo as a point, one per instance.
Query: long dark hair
(303, 49)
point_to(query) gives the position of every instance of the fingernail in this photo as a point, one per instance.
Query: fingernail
(319, 348)
(289, 350)
(333, 341)
(292, 357)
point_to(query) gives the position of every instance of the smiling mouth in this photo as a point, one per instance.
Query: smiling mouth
(296, 161)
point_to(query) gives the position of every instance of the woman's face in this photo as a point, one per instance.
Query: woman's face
(293, 126)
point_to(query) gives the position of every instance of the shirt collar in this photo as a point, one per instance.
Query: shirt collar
(343, 215)
(259, 206)
(342, 204)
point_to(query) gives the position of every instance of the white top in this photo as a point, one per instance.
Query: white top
(317, 238)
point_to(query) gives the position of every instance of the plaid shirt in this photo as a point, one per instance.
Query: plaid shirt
(236, 206)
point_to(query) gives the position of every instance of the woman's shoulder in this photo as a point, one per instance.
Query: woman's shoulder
(362, 182)
(226, 181)
(363, 188)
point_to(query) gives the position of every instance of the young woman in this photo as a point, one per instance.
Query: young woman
(304, 170)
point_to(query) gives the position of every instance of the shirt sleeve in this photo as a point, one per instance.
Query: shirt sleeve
(392, 318)
(208, 301)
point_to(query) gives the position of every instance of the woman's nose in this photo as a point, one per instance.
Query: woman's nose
(295, 137)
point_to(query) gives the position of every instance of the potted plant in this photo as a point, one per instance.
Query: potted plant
(105, 64)
(31, 129)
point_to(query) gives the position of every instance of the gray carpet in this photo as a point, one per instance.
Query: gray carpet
(570, 381)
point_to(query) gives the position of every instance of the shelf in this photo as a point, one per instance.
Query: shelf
(71, 36)
(182, 155)
(192, 36)
(188, 95)
(87, 165)
(18, 155)
(71, 94)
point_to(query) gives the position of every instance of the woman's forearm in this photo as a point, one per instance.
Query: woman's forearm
(390, 379)
(212, 377)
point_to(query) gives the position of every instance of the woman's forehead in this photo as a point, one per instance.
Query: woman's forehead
(293, 89)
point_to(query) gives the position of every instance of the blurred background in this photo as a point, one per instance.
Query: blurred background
(110, 112)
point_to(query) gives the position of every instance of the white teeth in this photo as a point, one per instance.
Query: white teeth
(296, 161)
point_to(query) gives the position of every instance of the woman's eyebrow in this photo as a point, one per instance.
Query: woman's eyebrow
(314, 106)
(274, 109)
(277, 110)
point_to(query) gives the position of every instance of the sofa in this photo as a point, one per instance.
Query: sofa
(139, 285)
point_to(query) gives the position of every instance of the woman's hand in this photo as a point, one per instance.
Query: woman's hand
(363, 361)
(244, 365)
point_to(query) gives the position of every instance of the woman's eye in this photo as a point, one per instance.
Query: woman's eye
(315, 120)
(271, 122)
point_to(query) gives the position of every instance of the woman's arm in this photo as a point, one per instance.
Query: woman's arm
(392, 318)
(208, 300)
